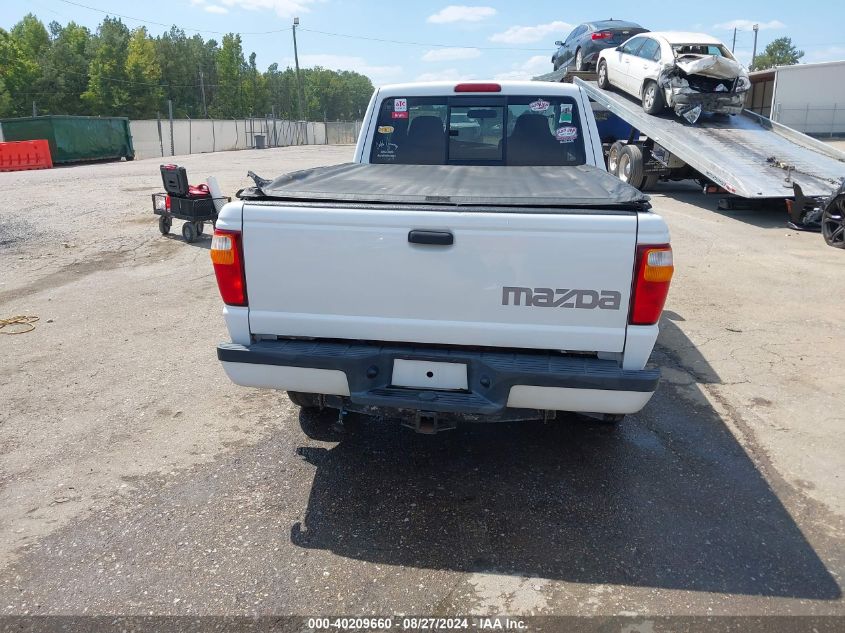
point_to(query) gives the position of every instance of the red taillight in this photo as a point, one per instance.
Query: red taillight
(654, 269)
(167, 202)
(227, 257)
(478, 88)
(601, 35)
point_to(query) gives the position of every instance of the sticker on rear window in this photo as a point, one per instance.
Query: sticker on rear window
(385, 129)
(566, 134)
(539, 106)
(400, 105)
(565, 113)
(386, 151)
(398, 115)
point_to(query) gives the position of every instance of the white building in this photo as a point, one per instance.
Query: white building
(809, 98)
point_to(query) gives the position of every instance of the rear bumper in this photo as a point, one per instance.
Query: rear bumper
(362, 372)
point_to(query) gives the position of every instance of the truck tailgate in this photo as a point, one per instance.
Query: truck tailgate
(540, 281)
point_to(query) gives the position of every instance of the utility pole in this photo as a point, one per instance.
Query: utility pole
(170, 115)
(756, 27)
(202, 87)
(298, 80)
(733, 43)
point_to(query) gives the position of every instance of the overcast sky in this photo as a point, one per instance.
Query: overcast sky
(442, 41)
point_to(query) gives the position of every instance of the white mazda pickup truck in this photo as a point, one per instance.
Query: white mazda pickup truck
(475, 258)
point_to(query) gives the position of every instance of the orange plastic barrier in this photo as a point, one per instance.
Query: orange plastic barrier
(20, 155)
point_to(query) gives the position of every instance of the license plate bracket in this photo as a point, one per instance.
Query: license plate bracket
(423, 374)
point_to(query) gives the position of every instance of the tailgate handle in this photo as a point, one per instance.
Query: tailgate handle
(438, 238)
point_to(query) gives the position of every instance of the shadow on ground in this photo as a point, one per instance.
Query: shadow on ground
(766, 214)
(669, 499)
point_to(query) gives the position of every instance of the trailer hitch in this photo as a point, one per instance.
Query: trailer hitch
(428, 423)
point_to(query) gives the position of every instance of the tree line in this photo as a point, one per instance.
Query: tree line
(121, 72)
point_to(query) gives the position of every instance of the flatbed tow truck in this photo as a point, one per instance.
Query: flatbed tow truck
(757, 162)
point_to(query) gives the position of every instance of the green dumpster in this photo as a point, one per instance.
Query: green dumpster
(75, 138)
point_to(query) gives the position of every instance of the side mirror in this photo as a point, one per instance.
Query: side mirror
(558, 43)
(619, 48)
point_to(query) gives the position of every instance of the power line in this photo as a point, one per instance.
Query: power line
(167, 26)
(134, 83)
(409, 43)
(273, 32)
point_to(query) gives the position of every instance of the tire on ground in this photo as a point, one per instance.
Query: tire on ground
(164, 225)
(305, 400)
(189, 232)
(649, 180)
(319, 425)
(833, 224)
(613, 157)
(631, 166)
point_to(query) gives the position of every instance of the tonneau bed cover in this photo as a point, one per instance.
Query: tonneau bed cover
(582, 186)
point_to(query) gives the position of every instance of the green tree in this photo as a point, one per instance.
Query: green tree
(32, 37)
(229, 98)
(144, 72)
(779, 52)
(336, 95)
(64, 70)
(182, 61)
(107, 92)
(256, 96)
(281, 89)
(5, 100)
(69, 70)
(18, 73)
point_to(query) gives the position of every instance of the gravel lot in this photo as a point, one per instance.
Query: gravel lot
(135, 478)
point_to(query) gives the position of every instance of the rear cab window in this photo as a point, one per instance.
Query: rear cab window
(484, 130)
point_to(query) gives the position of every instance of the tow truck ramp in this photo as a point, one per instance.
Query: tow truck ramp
(747, 155)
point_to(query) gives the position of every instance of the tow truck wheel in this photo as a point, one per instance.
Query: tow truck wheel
(164, 225)
(649, 181)
(612, 418)
(653, 98)
(579, 60)
(602, 419)
(613, 157)
(631, 166)
(833, 224)
(604, 83)
(189, 232)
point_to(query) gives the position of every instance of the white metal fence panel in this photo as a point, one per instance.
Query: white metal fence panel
(152, 138)
(813, 119)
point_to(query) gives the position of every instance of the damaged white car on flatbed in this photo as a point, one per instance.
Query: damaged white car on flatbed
(692, 73)
(475, 259)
